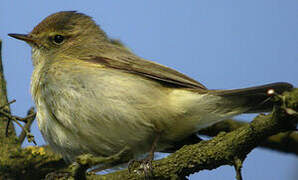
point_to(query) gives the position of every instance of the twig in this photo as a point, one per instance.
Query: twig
(29, 120)
(11, 102)
(16, 120)
(238, 166)
(30, 116)
(8, 121)
(10, 117)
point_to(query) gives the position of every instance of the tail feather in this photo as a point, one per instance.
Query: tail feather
(255, 99)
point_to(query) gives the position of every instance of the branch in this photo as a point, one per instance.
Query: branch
(283, 142)
(6, 143)
(3, 101)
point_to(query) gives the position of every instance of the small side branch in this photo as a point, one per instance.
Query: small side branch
(238, 166)
(25, 129)
(29, 120)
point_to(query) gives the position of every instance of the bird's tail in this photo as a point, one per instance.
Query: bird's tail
(254, 99)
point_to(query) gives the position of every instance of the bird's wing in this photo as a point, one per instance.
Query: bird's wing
(149, 69)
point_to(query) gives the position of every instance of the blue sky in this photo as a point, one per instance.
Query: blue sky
(223, 44)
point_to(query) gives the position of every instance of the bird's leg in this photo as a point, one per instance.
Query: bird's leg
(153, 147)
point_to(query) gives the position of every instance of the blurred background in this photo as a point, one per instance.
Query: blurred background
(223, 44)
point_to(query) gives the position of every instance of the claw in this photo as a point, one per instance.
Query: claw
(145, 165)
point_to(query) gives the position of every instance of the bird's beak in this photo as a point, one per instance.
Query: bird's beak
(23, 37)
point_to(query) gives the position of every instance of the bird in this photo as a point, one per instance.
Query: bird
(94, 95)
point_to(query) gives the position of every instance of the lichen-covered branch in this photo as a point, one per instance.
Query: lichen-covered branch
(6, 143)
(3, 100)
(283, 142)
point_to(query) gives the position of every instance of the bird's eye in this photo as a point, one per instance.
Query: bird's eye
(58, 39)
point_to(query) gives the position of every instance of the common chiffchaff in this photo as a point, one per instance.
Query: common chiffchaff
(93, 95)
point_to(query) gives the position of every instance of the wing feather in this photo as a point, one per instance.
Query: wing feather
(149, 69)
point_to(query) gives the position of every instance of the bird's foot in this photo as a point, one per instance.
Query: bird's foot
(145, 165)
